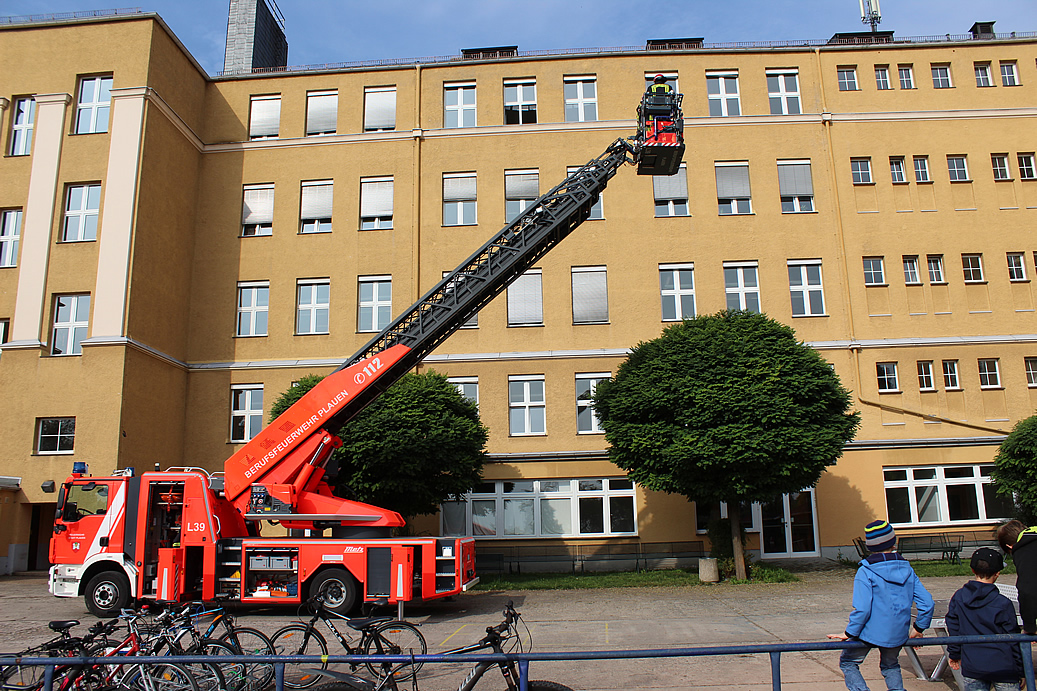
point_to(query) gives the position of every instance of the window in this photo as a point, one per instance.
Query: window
(873, 271)
(950, 375)
(374, 308)
(808, 299)
(882, 78)
(1016, 267)
(783, 92)
(316, 202)
(82, 206)
(1008, 75)
(526, 300)
(896, 170)
(677, 289)
(10, 234)
(795, 187)
(911, 270)
(972, 267)
(922, 169)
(520, 101)
(590, 295)
(886, 373)
(553, 508)
(722, 90)
(935, 264)
(742, 286)
(907, 77)
(670, 77)
(581, 99)
(253, 308)
(246, 412)
(311, 313)
(671, 193)
(376, 203)
(257, 211)
(473, 321)
(95, 100)
(71, 321)
(521, 189)
(847, 78)
(467, 387)
(586, 419)
(925, 375)
(459, 105)
(597, 211)
(321, 112)
(526, 405)
(5, 331)
(55, 435)
(23, 115)
(983, 74)
(999, 162)
(379, 108)
(264, 119)
(1031, 371)
(933, 495)
(860, 168)
(941, 76)
(733, 193)
(989, 375)
(459, 199)
(957, 169)
(1026, 167)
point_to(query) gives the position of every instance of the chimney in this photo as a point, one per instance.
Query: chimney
(255, 37)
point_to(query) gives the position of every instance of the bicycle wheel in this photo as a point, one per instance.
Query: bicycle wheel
(395, 638)
(338, 686)
(233, 675)
(208, 675)
(248, 641)
(165, 676)
(299, 639)
(546, 686)
(20, 677)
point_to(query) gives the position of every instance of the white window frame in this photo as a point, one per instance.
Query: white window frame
(586, 382)
(525, 298)
(379, 220)
(1027, 169)
(579, 105)
(887, 378)
(473, 321)
(724, 100)
(455, 114)
(951, 376)
(989, 373)
(796, 203)
(374, 314)
(62, 436)
(925, 375)
(92, 115)
(264, 225)
(467, 387)
(911, 275)
(315, 308)
(670, 77)
(317, 123)
(897, 174)
(462, 207)
(527, 405)
(882, 78)
(934, 265)
(519, 103)
(921, 166)
(958, 168)
(10, 236)
(680, 293)
(376, 107)
(846, 76)
(592, 282)
(676, 206)
(906, 73)
(515, 204)
(742, 291)
(598, 210)
(70, 330)
(999, 165)
(247, 407)
(807, 287)
(253, 318)
(788, 101)
(1030, 365)
(264, 117)
(982, 71)
(874, 271)
(972, 268)
(934, 488)
(80, 223)
(941, 76)
(308, 221)
(1009, 74)
(23, 118)
(1016, 266)
(733, 206)
(860, 170)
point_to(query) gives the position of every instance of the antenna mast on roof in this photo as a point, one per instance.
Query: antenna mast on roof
(870, 13)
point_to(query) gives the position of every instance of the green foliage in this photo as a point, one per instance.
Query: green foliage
(726, 407)
(1015, 472)
(720, 541)
(620, 579)
(419, 444)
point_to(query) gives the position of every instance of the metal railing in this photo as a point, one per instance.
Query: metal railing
(773, 650)
(65, 16)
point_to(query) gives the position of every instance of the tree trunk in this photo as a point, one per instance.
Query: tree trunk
(734, 515)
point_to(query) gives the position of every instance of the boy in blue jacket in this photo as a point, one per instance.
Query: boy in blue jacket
(883, 590)
(976, 609)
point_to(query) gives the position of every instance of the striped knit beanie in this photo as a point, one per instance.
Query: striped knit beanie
(879, 536)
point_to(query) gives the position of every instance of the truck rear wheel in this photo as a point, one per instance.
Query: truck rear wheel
(337, 588)
(107, 593)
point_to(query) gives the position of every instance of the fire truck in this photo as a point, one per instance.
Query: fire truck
(184, 533)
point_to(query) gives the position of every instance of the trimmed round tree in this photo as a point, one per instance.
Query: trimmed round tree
(417, 445)
(725, 408)
(1015, 472)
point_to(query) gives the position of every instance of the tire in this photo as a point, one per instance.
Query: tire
(292, 640)
(546, 686)
(165, 676)
(338, 686)
(233, 675)
(21, 677)
(338, 588)
(107, 594)
(395, 638)
(248, 641)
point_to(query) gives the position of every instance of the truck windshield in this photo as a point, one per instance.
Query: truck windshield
(90, 499)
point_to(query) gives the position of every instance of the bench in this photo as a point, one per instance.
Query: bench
(667, 554)
(947, 545)
(628, 551)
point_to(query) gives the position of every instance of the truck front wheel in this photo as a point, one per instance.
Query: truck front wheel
(337, 588)
(107, 594)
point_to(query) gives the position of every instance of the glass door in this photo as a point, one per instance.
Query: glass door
(789, 526)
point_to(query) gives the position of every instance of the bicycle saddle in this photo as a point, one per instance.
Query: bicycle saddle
(62, 624)
(359, 624)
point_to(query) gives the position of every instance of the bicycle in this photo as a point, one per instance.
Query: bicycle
(378, 635)
(495, 639)
(242, 640)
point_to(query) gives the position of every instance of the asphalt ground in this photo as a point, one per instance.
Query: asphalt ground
(593, 620)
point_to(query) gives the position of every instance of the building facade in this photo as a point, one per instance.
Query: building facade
(176, 249)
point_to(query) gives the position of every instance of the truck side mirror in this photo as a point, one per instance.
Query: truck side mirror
(71, 512)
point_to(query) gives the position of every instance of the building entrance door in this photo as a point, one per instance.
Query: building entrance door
(789, 527)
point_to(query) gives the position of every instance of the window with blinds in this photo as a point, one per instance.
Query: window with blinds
(315, 206)
(733, 196)
(526, 300)
(521, 188)
(671, 193)
(321, 112)
(379, 108)
(376, 203)
(459, 199)
(257, 210)
(795, 187)
(264, 118)
(590, 295)
(598, 210)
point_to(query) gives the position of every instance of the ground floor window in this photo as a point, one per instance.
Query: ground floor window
(574, 507)
(943, 495)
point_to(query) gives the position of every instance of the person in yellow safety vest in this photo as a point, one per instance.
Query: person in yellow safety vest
(659, 86)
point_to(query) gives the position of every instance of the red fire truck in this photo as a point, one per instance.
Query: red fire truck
(184, 533)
